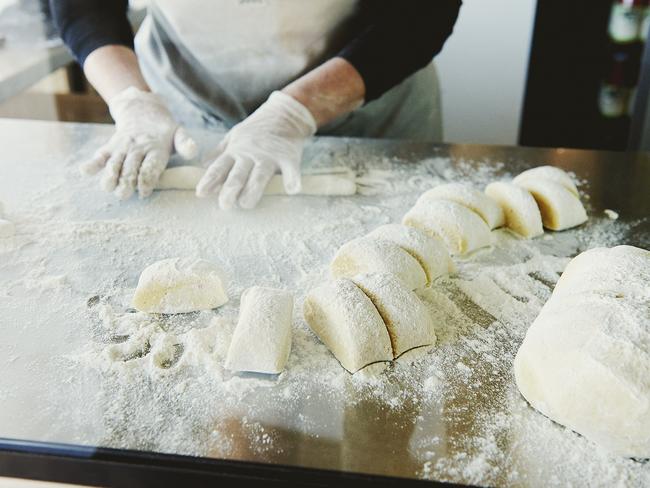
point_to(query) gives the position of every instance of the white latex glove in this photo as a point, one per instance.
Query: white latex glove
(269, 140)
(137, 154)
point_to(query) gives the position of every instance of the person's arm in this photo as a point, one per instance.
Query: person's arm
(99, 35)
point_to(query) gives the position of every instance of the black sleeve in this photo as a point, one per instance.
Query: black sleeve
(399, 38)
(85, 25)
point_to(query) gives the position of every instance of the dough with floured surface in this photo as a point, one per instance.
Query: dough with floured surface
(522, 215)
(347, 322)
(560, 209)
(461, 229)
(179, 285)
(261, 342)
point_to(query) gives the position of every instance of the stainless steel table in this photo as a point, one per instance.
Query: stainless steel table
(71, 411)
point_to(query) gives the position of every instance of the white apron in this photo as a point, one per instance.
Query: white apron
(216, 61)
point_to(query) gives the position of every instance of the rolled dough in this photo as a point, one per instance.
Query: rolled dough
(469, 197)
(347, 322)
(461, 229)
(179, 285)
(551, 173)
(262, 339)
(365, 255)
(430, 252)
(519, 207)
(560, 208)
(336, 184)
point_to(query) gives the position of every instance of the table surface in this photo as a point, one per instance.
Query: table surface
(79, 367)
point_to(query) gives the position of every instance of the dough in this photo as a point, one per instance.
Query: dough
(365, 255)
(7, 229)
(620, 270)
(461, 230)
(187, 177)
(407, 319)
(548, 173)
(584, 364)
(560, 208)
(430, 252)
(519, 207)
(347, 322)
(469, 197)
(262, 340)
(179, 285)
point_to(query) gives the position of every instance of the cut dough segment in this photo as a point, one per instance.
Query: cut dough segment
(460, 229)
(407, 319)
(560, 208)
(7, 228)
(179, 285)
(584, 364)
(620, 270)
(430, 252)
(469, 197)
(347, 322)
(187, 177)
(262, 340)
(519, 207)
(551, 173)
(365, 255)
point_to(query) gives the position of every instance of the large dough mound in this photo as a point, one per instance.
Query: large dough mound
(407, 319)
(180, 285)
(585, 360)
(469, 197)
(430, 252)
(366, 255)
(461, 229)
(262, 340)
(519, 206)
(347, 322)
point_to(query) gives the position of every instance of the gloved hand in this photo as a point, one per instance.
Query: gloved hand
(145, 137)
(269, 140)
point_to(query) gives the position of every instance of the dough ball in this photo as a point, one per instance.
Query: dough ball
(519, 207)
(469, 197)
(365, 255)
(180, 285)
(560, 208)
(430, 252)
(461, 229)
(407, 319)
(262, 340)
(347, 322)
(550, 173)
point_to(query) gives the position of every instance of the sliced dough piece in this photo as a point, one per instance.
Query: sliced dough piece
(460, 229)
(365, 255)
(346, 321)
(340, 183)
(7, 228)
(560, 208)
(430, 252)
(180, 285)
(262, 340)
(620, 270)
(551, 173)
(469, 197)
(407, 319)
(519, 207)
(584, 363)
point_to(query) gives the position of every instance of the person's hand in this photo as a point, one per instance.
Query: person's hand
(269, 140)
(145, 137)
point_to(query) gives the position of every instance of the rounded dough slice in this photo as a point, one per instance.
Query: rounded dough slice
(620, 270)
(519, 207)
(550, 173)
(560, 208)
(179, 285)
(346, 321)
(469, 197)
(461, 230)
(430, 252)
(407, 319)
(365, 255)
(261, 342)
